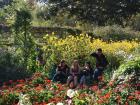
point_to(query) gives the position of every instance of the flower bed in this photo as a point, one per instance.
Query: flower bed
(39, 90)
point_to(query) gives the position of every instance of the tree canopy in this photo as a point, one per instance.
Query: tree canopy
(98, 11)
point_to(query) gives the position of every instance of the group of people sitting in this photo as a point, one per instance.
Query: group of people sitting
(76, 74)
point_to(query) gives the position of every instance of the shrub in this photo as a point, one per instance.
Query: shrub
(80, 47)
(128, 68)
(116, 33)
(10, 66)
(135, 22)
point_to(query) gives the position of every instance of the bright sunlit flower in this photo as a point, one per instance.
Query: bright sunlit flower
(71, 93)
(59, 103)
(24, 99)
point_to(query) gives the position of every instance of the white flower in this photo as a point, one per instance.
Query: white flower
(24, 99)
(71, 93)
(59, 103)
(130, 57)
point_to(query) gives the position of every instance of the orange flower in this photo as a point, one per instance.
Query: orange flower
(118, 99)
(39, 88)
(100, 101)
(99, 92)
(111, 83)
(107, 95)
(130, 97)
(59, 86)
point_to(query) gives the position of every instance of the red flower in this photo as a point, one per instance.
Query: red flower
(48, 81)
(36, 103)
(94, 88)
(5, 83)
(126, 103)
(4, 86)
(100, 101)
(107, 95)
(39, 88)
(59, 86)
(130, 97)
(21, 80)
(101, 78)
(10, 81)
(19, 85)
(137, 92)
(118, 99)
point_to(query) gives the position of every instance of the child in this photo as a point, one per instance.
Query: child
(86, 73)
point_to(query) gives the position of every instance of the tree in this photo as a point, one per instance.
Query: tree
(8, 12)
(99, 11)
(23, 36)
(4, 2)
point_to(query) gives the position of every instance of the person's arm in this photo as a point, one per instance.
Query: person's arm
(67, 70)
(105, 62)
(58, 69)
(79, 71)
(94, 54)
(71, 71)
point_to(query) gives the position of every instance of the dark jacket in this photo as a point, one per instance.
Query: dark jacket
(101, 60)
(64, 69)
(86, 72)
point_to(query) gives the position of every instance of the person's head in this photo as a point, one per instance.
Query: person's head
(63, 62)
(75, 64)
(87, 63)
(99, 51)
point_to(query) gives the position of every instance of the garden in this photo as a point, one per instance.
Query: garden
(27, 80)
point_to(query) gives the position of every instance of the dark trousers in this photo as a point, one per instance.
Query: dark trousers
(59, 77)
(97, 73)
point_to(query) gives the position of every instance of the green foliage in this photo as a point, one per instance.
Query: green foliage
(4, 3)
(38, 81)
(80, 47)
(9, 99)
(2, 16)
(128, 67)
(10, 10)
(41, 96)
(23, 37)
(135, 22)
(115, 33)
(80, 102)
(10, 66)
(99, 11)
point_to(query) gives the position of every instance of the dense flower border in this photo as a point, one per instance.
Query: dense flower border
(39, 90)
